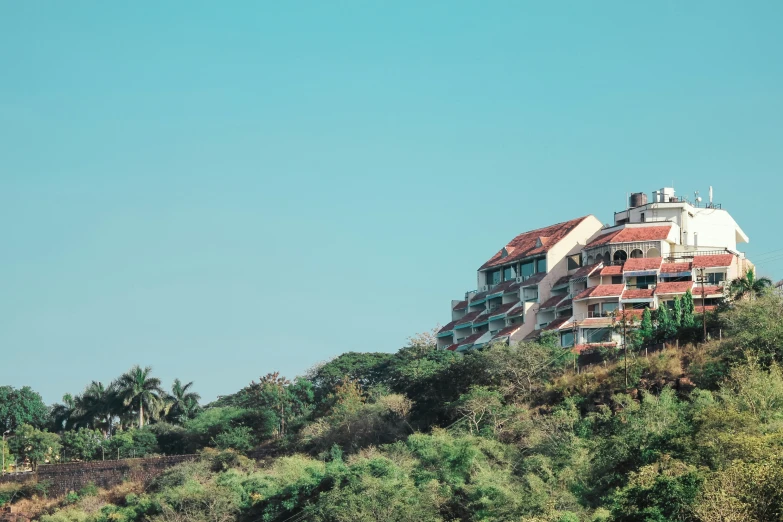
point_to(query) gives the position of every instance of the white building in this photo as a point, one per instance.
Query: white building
(572, 277)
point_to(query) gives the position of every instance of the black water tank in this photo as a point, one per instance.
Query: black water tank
(637, 199)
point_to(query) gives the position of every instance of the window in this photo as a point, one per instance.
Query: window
(645, 282)
(574, 262)
(541, 265)
(566, 339)
(715, 278)
(608, 308)
(493, 277)
(617, 280)
(527, 269)
(598, 335)
(509, 273)
(639, 306)
(642, 217)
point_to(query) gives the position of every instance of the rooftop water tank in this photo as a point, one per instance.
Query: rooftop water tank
(637, 199)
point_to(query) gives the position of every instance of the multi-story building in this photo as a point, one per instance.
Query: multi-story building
(574, 277)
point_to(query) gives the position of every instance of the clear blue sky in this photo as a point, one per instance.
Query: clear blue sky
(223, 192)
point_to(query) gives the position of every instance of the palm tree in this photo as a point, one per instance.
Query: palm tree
(749, 286)
(181, 402)
(65, 415)
(139, 391)
(98, 405)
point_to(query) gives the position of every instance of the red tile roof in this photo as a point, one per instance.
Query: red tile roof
(713, 261)
(552, 301)
(461, 305)
(562, 281)
(638, 293)
(535, 334)
(470, 339)
(557, 323)
(629, 234)
(448, 327)
(701, 309)
(525, 244)
(502, 287)
(612, 270)
(507, 331)
(502, 309)
(630, 314)
(585, 271)
(673, 268)
(708, 290)
(469, 317)
(601, 291)
(565, 304)
(638, 264)
(676, 287)
(533, 280)
(452, 347)
(520, 310)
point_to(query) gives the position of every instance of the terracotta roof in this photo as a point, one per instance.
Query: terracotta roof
(630, 314)
(676, 287)
(533, 280)
(448, 327)
(629, 234)
(708, 290)
(502, 309)
(638, 264)
(535, 334)
(596, 321)
(713, 261)
(527, 243)
(699, 308)
(638, 293)
(612, 270)
(468, 318)
(520, 310)
(461, 305)
(565, 279)
(508, 330)
(502, 287)
(601, 291)
(567, 303)
(452, 347)
(552, 301)
(557, 323)
(479, 296)
(673, 268)
(585, 271)
(470, 339)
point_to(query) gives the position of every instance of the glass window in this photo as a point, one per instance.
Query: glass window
(509, 273)
(608, 308)
(715, 278)
(644, 282)
(567, 339)
(598, 335)
(493, 277)
(541, 265)
(527, 269)
(574, 262)
(617, 280)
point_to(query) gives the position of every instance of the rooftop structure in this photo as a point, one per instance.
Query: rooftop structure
(573, 277)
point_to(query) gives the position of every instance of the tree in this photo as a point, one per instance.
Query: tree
(182, 402)
(688, 320)
(749, 286)
(646, 326)
(64, 415)
(34, 446)
(81, 444)
(139, 391)
(677, 316)
(665, 327)
(97, 406)
(22, 406)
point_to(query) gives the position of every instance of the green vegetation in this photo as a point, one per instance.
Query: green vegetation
(516, 432)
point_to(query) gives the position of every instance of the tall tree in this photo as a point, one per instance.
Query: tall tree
(21, 406)
(98, 406)
(665, 327)
(182, 402)
(677, 316)
(646, 326)
(139, 391)
(688, 308)
(749, 286)
(64, 415)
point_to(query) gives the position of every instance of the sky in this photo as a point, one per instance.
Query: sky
(222, 190)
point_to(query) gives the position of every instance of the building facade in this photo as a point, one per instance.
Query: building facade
(573, 278)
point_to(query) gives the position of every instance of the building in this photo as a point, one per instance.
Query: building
(574, 277)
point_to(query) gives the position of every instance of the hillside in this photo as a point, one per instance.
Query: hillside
(517, 432)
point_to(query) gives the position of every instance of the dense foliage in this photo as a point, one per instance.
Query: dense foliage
(691, 432)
